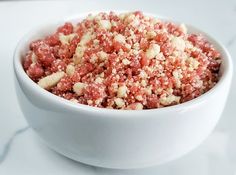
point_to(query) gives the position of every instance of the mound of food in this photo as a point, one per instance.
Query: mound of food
(124, 61)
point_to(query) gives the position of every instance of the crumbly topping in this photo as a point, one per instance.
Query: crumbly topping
(124, 61)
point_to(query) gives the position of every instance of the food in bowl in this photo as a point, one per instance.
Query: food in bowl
(119, 138)
(124, 61)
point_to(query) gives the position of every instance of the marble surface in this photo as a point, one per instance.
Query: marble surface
(22, 152)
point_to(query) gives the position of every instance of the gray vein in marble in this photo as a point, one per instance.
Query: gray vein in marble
(231, 41)
(7, 146)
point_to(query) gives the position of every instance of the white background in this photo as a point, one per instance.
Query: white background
(21, 151)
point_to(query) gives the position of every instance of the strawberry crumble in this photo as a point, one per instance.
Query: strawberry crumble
(123, 61)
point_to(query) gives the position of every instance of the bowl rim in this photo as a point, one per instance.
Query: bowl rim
(23, 77)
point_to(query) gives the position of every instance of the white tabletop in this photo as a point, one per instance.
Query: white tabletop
(22, 152)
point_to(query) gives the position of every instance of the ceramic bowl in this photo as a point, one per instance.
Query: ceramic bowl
(119, 138)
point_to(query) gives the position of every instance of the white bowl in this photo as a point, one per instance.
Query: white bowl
(118, 138)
